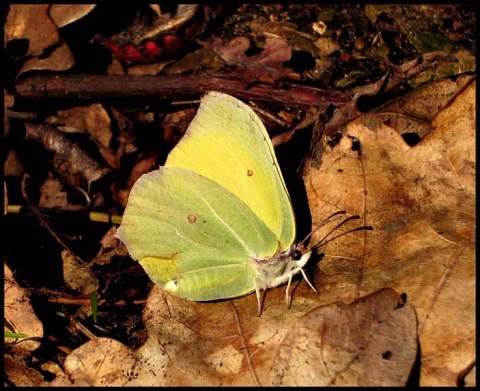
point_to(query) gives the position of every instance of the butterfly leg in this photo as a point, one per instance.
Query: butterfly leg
(257, 291)
(287, 291)
(306, 279)
(290, 276)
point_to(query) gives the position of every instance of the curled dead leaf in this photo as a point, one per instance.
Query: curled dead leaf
(70, 160)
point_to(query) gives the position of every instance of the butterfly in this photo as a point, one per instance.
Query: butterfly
(216, 221)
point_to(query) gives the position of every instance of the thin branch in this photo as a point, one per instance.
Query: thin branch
(148, 88)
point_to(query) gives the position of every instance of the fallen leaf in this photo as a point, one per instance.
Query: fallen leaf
(52, 194)
(194, 344)
(326, 46)
(13, 164)
(77, 276)
(95, 121)
(425, 102)
(70, 160)
(32, 22)
(265, 66)
(19, 316)
(371, 342)
(420, 201)
(5, 198)
(403, 192)
(8, 102)
(205, 56)
(109, 246)
(147, 69)
(17, 372)
(100, 362)
(142, 167)
(65, 14)
(299, 40)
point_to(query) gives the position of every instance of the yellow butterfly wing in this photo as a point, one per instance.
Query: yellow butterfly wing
(227, 143)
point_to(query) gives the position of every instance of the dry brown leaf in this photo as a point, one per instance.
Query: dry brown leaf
(105, 361)
(109, 247)
(147, 69)
(142, 167)
(52, 194)
(31, 22)
(326, 46)
(470, 378)
(20, 374)
(70, 160)
(13, 164)
(8, 102)
(5, 198)
(126, 138)
(77, 276)
(94, 120)
(371, 342)
(190, 62)
(234, 51)
(421, 202)
(193, 344)
(108, 242)
(65, 14)
(223, 343)
(266, 66)
(424, 103)
(60, 59)
(289, 31)
(19, 315)
(100, 362)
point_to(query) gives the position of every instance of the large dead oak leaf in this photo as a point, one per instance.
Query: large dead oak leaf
(420, 202)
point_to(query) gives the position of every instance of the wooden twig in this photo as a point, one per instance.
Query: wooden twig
(157, 87)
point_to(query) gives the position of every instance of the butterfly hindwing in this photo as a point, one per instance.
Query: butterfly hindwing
(183, 227)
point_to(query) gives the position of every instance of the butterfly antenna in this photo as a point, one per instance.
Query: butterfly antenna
(324, 240)
(325, 222)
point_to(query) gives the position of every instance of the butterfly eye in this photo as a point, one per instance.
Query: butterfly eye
(296, 255)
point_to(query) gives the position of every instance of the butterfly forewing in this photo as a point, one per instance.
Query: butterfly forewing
(227, 143)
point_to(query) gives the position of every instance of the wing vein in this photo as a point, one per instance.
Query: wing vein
(222, 221)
